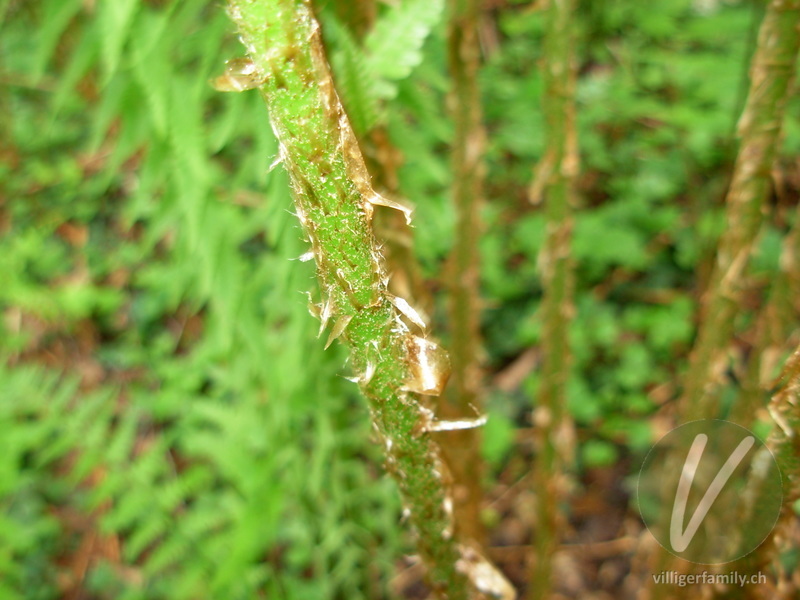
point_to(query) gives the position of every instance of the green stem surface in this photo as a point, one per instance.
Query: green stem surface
(334, 202)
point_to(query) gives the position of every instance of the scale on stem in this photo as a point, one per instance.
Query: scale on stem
(334, 201)
(241, 74)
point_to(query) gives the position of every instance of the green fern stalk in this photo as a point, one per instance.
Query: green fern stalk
(334, 202)
(771, 71)
(462, 447)
(556, 176)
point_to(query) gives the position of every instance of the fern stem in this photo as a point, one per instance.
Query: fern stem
(759, 129)
(462, 447)
(333, 195)
(556, 174)
(771, 71)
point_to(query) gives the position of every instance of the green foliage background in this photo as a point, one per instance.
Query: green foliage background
(162, 384)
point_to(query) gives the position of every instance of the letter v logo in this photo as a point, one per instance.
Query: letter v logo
(710, 491)
(680, 540)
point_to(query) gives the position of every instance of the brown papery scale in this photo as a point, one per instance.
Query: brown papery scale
(428, 366)
(240, 75)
